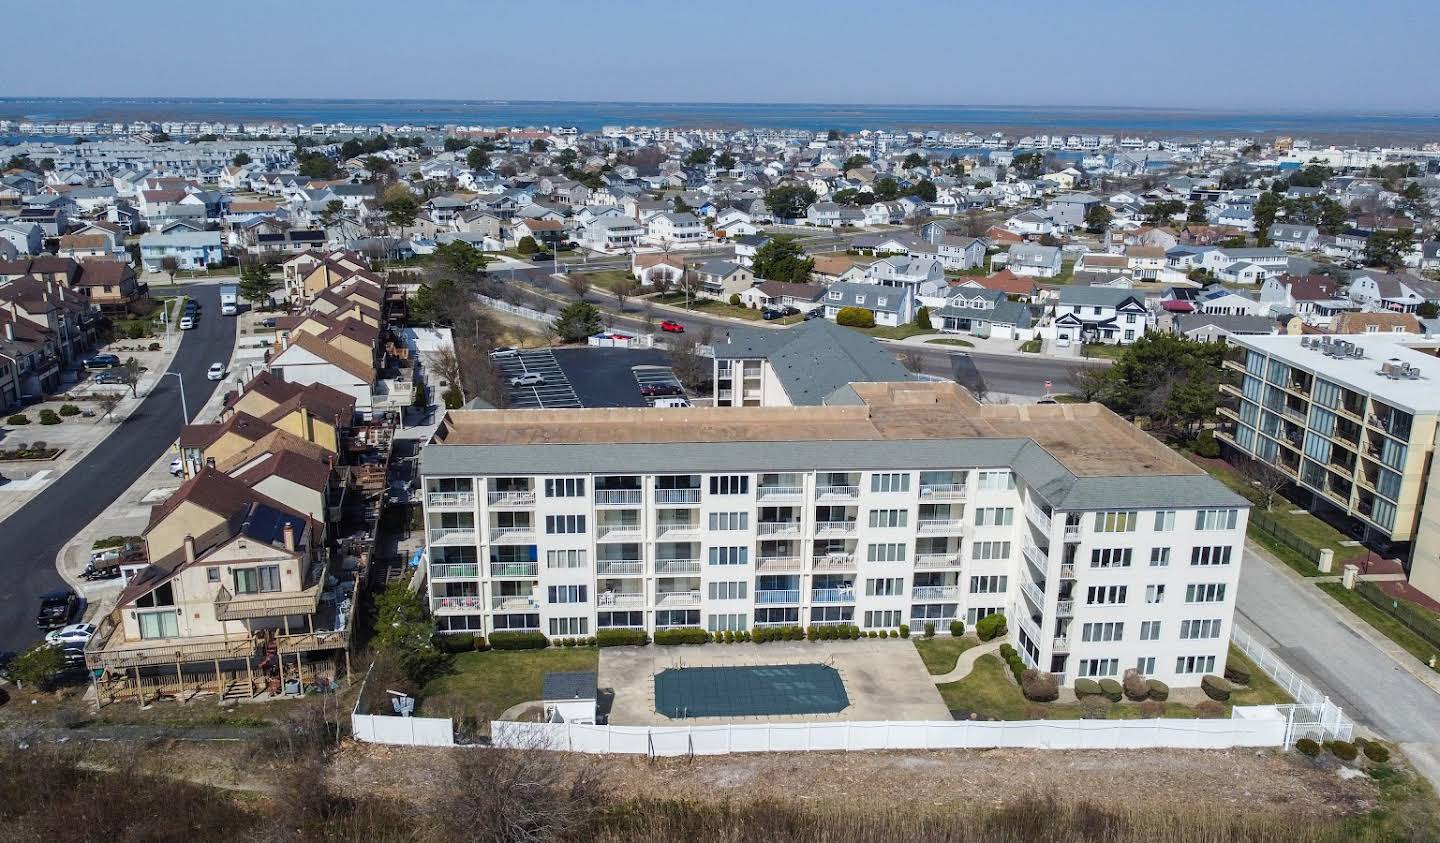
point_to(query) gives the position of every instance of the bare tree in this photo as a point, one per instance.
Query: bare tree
(170, 265)
(130, 376)
(580, 283)
(689, 283)
(107, 402)
(1266, 477)
(693, 369)
(623, 289)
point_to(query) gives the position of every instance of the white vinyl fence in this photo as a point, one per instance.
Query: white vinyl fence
(517, 310)
(403, 731)
(1312, 715)
(1258, 726)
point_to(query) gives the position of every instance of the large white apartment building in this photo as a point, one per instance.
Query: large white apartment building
(910, 504)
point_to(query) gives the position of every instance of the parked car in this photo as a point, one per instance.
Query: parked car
(186, 323)
(177, 467)
(541, 257)
(817, 313)
(268, 322)
(671, 402)
(672, 327)
(56, 609)
(504, 351)
(102, 361)
(652, 390)
(769, 314)
(1062, 342)
(109, 377)
(75, 633)
(216, 372)
(528, 379)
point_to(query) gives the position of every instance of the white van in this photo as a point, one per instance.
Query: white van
(671, 402)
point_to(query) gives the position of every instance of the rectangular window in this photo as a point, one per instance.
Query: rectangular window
(212, 575)
(569, 626)
(1104, 595)
(730, 484)
(1216, 519)
(1149, 630)
(989, 550)
(1207, 628)
(1159, 557)
(883, 619)
(885, 587)
(726, 623)
(1216, 555)
(993, 584)
(1155, 593)
(1195, 664)
(727, 590)
(885, 553)
(565, 487)
(1110, 557)
(994, 516)
(1103, 631)
(1099, 667)
(1116, 522)
(564, 558)
(888, 517)
(564, 524)
(729, 555)
(259, 580)
(996, 481)
(890, 482)
(1212, 592)
(1145, 665)
(1164, 520)
(158, 624)
(729, 520)
(619, 620)
(566, 594)
(832, 614)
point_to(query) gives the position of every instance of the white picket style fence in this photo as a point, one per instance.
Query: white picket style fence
(517, 310)
(1312, 715)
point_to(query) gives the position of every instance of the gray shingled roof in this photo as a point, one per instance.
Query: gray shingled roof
(815, 358)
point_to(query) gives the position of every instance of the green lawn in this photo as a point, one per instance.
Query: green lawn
(1262, 689)
(951, 341)
(899, 332)
(608, 278)
(1031, 346)
(1101, 350)
(716, 308)
(1383, 622)
(941, 654)
(485, 684)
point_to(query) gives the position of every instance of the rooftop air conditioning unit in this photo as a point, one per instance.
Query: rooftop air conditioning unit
(1387, 369)
(1413, 374)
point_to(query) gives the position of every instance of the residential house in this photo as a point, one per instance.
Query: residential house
(832, 215)
(676, 228)
(657, 270)
(810, 364)
(1100, 315)
(25, 239)
(1377, 322)
(1216, 327)
(983, 313)
(778, 294)
(720, 279)
(1297, 294)
(189, 249)
(1034, 260)
(746, 246)
(1295, 238)
(1401, 292)
(891, 306)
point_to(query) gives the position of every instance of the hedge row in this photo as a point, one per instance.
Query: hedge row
(990, 627)
(1013, 660)
(683, 635)
(622, 638)
(519, 641)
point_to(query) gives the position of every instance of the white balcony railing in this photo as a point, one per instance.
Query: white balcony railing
(677, 566)
(446, 571)
(618, 497)
(450, 499)
(943, 492)
(835, 562)
(1064, 608)
(512, 602)
(1060, 645)
(941, 525)
(832, 595)
(1038, 517)
(788, 595)
(667, 599)
(1072, 532)
(1027, 623)
(452, 535)
(620, 598)
(618, 532)
(935, 592)
(778, 563)
(1067, 570)
(1033, 592)
(780, 493)
(674, 496)
(512, 534)
(937, 560)
(831, 493)
(1034, 555)
(619, 567)
(514, 569)
(511, 498)
(834, 528)
(677, 530)
(778, 528)
(476, 603)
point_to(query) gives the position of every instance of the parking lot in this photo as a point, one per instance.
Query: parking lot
(659, 378)
(555, 392)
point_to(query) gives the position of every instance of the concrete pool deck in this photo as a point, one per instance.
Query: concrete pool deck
(885, 680)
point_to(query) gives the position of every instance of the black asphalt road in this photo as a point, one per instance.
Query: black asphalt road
(32, 537)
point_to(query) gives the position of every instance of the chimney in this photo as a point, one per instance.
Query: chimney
(289, 534)
(189, 548)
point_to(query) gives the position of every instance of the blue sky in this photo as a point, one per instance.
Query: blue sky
(1262, 54)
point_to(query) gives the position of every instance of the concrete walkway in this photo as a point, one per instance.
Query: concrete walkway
(966, 662)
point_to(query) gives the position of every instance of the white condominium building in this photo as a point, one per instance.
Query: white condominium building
(903, 503)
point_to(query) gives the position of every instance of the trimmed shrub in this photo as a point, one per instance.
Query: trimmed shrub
(48, 416)
(1157, 690)
(922, 318)
(1344, 750)
(729, 637)
(1376, 752)
(894, 633)
(1086, 688)
(1039, 686)
(480, 645)
(1150, 709)
(929, 630)
(154, 346)
(735, 300)
(569, 642)
(990, 627)
(957, 628)
(684, 635)
(17, 420)
(1216, 688)
(1111, 690)
(1237, 675)
(1307, 747)
(1095, 708)
(904, 630)
(519, 641)
(455, 643)
(1209, 710)
(813, 632)
(874, 634)
(621, 638)
(68, 410)
(1206, 445)
(1007, 652)
(1135, 687)
(855, 317)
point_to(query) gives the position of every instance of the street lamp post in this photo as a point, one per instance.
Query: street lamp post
(184, 408)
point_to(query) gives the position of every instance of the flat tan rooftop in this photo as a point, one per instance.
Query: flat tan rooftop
(1087, 439)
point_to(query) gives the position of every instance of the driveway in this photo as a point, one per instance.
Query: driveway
(35, 533)
(1290, 617)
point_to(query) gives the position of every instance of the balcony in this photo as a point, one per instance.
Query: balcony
(677, 566)
(1067, 570)
(620, 567)
(834, 529)
(513, 602)
(1064, 608)
(935, 592)
(618, 533)
(515, 569)
(1234, 365)
(837, 493)
(618, 497)
(778, 528)
(943, 492)
(937, 560)
(620, 598)
(778, 563)
(835, 562)
(670, 599)
(441, 500)
(508, 535)
(677, 496)
(474, 603)
(1033, 592)
(832, 595)
(1035, 556)
(781, 493)
(1038, 517)
(1072, 532)
(789, 595)
(1060, 645)
(941, 525)
(677, 530)
(443, 571)
(514, 498)
(1028, 624)
(452, 535)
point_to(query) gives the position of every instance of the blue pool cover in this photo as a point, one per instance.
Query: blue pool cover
(749, 691)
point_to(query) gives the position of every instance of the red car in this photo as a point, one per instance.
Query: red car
(672, 327)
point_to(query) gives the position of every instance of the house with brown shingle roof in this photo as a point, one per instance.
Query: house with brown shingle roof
(309, 359)
(1377, 323)
(314, 412)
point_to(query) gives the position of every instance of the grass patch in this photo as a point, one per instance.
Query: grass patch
(951, 341)
(1262, 689)
(609, 279)
(486, 684)
(899, 332)
(941, 654)
(1102, 351)
(1069, 399)
(710, 306)
(1383, 622)
(1031, 346)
